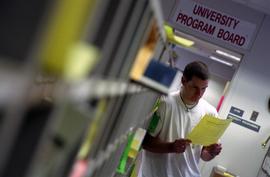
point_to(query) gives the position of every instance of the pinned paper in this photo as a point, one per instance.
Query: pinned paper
(61, 35)
(79, 169)
(81, 59)
(131, 150)
(141, 62)
(136, 143)
(93, 129)
(121, 168)
(208, 130)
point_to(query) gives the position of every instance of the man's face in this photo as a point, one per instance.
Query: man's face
(194, 89)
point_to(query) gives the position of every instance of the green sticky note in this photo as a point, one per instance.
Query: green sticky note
(123, 160)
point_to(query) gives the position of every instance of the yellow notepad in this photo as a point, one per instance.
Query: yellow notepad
(208, 130)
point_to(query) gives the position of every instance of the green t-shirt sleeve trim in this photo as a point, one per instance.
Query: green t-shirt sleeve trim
(153, 123)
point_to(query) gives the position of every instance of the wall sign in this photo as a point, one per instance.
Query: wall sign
(207, 21)
(254, 116)
(236, 115)
(236, 111)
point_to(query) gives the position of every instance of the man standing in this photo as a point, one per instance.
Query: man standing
(167, 152)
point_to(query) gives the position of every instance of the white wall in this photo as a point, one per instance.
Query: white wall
(250, 89)
(214, 91)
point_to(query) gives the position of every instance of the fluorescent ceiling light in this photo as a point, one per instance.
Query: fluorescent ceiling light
(220, 61)
(228, 55)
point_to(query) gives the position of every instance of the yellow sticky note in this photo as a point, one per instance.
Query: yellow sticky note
(228, 175)
(93, 129)
(208, 130)
(132, 153)
(80, 60)
(169, 31)
(66, 23)
(136, 142)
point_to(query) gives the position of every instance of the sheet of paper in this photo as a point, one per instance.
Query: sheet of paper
(208, 130)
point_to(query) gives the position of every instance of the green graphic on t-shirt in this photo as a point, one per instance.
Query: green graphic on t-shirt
(153, 123)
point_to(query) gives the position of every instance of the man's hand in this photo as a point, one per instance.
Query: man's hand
(211, 151)
(156, 145)
(179, 145)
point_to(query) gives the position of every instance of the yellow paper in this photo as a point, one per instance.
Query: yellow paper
(208, 130)
(136, 142)
(66, 24)
(141, 62)
(81, 58)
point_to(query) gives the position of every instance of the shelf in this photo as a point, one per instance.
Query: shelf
(98, 88)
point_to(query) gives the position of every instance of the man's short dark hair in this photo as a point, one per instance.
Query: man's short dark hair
(196, 68)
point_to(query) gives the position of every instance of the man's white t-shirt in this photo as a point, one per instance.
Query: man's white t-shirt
(175, 122)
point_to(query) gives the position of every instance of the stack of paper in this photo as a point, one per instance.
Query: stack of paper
(208, 130)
